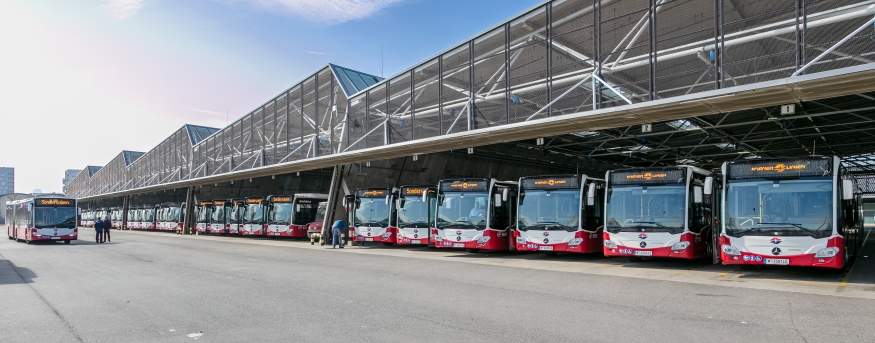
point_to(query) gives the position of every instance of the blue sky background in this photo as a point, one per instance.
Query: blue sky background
(125, 74)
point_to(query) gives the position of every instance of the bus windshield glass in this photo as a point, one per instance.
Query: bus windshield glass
(462, 210)
(254, 214)
(654, 208)
(305, 213)
(218, 215)
(149, 215)
(281, 214)
(413, 213)
(371, 212)
(549, 209)
(202, 214)
(799, 207)
(54, 217)
(320, 212)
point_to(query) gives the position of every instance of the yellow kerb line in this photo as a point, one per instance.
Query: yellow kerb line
(851, 271)
(724, 274)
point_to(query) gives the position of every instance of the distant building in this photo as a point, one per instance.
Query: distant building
(7, 180)
(69, 175)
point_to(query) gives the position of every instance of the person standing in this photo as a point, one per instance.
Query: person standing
(98, 228)
(337, 232)
(107, 226)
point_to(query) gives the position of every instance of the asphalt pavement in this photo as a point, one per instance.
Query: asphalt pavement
(160, 287)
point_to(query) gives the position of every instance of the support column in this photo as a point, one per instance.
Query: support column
(333, 194)
(187, 212)
(126, 203)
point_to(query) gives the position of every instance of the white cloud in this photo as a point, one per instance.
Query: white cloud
(215, 113)
(123, 9)
(317, 53)
(327, 11)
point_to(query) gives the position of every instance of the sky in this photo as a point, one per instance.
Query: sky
(82, 80)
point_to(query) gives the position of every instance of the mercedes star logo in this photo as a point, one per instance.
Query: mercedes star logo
(546, 241)
(459, 238)
(642, 244)
(776, 251)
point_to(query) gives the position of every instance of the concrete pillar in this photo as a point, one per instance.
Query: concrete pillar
(334, 193)
(126, 203)
(187, 214)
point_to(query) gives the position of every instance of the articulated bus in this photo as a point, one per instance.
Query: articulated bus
(373, 214)
(416, 209)
(203, 213)
(560, 213)
(218, 216)
(42, 219)
(288, 216)
(660, 212)
(254, 218)
(475, 214)
(235, 216)
(797, 212)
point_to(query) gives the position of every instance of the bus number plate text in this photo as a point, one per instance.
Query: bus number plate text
(458, 245)
(545, 247)
(643, 253)
(782, 261)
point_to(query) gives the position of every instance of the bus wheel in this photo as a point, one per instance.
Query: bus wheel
(473, 251)
(551, 254)
(635, 259)
(66, 241)
(388, 244)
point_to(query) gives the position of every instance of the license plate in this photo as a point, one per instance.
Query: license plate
(56, 237)
(369, 239)
(783, 261)
(415, 242)
(545, 247)
(643, 253)
(458, 245)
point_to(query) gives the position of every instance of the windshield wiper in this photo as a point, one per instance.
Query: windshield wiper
(799, 226)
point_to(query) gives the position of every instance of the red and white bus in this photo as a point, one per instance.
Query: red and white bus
(315, 227)
(660, 212)
(797, 212)
(560, 213)
(373, 216)
(416, 210)
(475, 214)
(42, 219)
(169, 217)
(254, 218)
(115, 217)
(235, 216)
(88, 218)
(203, 214)
(289, 216)
(218, 217)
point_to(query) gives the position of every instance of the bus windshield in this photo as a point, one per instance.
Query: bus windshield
(54, 217)
(800, 207)
(148, 215)
(254, 214)
(463, 210)
(655, 208)
(320, 212)
(305, 213)
(202, 214)
(549, 209)
(413, 213)
(218, 216)
(371, 212)
(281, 214)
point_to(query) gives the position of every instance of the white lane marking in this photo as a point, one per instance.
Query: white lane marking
(195, 335)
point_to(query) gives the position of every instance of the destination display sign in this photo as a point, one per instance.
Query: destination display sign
(254, 200)
(556, 182)
(281, 199)
(218, 203)
(371, 193)
(54, 202)
(779, 168)
(206, 203)
(416, 191)
(464, 186)
(648, 176)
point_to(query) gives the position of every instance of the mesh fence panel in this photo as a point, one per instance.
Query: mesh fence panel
(625, 43)
(309, 108)
(572, 56)
(339, 122)
(456, 89)
(855, 51)
(357, 123)
(692, 73)
(240, 138)
(528, 65)
(763, 59)
(210, 155)
(399, 109)
(324, 115)
(490, 105)
(282, 128)
(295, 122)
(426, 104)
(376, 116)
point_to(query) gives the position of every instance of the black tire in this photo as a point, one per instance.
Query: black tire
(551, 253)
(635, 259)
(473, 251)
(388, 244)
(66, 241)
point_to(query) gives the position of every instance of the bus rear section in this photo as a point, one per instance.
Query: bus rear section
(43, 219)
(659, 212)
(560, 213)
(254, 219)
(315, 227)
(289, 216)
(792, 212)
(475, 214)
(218, 217)
(373, 214)
(416, 209)
(203, 215)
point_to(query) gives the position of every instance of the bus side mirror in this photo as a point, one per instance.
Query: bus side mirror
(697, 194)
(709, 185)
(425, 196)
(30, 207)
(387, 199)
(847, 190)
(504, 194)
(497, 201)
(400, 202)
(590, 195)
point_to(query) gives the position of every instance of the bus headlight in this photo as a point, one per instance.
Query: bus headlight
(827, 252)
(730, 250)
(483, 239)
(575, 242)
(386, 235)
(520, 240)
(680, 245)
(610, 244)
